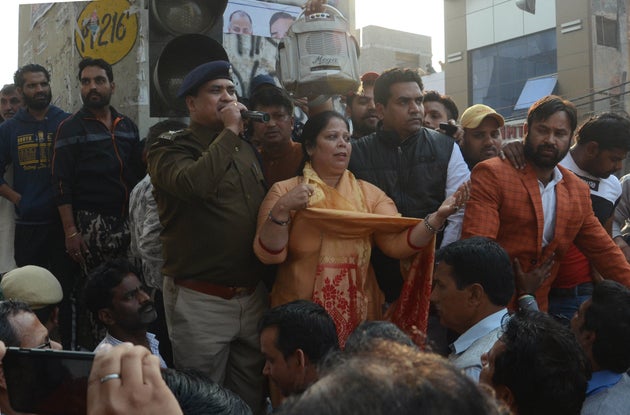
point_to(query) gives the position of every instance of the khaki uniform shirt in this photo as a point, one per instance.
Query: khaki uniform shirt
(208, 187)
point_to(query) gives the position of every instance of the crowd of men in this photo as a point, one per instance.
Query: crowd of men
(106, 240)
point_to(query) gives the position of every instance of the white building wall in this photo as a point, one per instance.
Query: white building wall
(494, 21)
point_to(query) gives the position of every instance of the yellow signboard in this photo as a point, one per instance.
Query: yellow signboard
(107, 30)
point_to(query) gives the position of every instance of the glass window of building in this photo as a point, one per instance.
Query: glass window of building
(499, 72)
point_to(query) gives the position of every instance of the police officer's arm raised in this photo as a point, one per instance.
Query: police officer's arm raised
(192, 163)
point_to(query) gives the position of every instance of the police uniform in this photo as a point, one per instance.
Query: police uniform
(208, 186)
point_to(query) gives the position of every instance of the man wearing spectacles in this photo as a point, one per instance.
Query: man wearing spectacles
(281, 156)
(20, 327)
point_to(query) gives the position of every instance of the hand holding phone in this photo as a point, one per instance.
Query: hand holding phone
(143, 392)
(46, 381)
(449, 129)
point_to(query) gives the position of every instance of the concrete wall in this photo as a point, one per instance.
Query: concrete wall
(575, 72)
(456, 52)
(383, 48)
(52, 43)
(610, 65)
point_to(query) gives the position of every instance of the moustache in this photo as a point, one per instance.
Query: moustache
(146, 307)
(547, 147)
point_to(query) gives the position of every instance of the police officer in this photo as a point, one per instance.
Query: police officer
(208, 187)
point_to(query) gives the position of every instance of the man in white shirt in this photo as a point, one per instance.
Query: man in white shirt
(474, 282)
(119, 301)
(602, 327)
(601, 144)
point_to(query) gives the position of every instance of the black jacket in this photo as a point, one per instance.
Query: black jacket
(413, 172)
(95, 169)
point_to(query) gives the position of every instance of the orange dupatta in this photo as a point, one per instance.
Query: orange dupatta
(343, 268)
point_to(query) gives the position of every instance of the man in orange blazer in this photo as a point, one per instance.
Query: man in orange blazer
(535, 213)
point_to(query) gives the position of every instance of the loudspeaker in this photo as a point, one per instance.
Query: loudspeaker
(319, 56)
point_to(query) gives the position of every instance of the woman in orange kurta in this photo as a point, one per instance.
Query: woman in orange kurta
(324, 251)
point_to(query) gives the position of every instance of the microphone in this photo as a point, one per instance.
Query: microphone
(257, 116)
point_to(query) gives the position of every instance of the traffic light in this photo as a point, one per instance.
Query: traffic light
(182, 35)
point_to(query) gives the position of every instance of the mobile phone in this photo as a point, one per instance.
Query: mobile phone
(449, 129)
(46, 381)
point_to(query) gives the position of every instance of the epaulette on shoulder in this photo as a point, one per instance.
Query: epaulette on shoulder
(172, 135)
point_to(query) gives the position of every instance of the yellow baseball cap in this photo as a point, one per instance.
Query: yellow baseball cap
(473, 116)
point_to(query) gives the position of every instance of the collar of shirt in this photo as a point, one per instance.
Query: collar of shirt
(602, 380)
(286, 149)
(557, 176)
(477, 331)
(154, 345)
(548, 198)
(568, 162)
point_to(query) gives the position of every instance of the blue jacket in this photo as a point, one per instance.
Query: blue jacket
(27, 145)
(95, 169)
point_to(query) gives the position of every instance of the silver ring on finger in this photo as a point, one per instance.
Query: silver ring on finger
(111, 376)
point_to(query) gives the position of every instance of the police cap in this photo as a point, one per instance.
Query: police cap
(203, 73)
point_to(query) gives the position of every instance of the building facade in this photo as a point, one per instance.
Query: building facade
(383, 48)
(505, 57)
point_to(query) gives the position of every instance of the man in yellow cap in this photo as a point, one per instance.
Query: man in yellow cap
(482, 134)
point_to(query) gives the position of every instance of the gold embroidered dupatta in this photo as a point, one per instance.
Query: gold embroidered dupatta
(343, 274)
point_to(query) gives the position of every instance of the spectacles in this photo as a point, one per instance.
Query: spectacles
(280, 116)
(45, 345)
